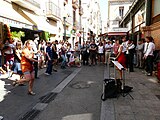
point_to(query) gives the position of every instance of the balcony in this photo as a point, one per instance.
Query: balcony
(75, 4)
(53, 11)
(29, 4)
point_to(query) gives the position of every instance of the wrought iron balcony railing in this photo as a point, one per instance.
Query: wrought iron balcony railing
(52, 10)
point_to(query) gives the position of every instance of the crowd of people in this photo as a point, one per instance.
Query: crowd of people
(25, 60)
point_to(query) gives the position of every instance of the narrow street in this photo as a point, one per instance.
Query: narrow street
(74, 94)
(17, 102)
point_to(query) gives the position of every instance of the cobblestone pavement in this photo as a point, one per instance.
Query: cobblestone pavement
(144, 106)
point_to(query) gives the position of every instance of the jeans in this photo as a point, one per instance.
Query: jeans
(49, 67)
(63, 61)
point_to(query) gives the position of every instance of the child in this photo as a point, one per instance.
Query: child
(74, 60)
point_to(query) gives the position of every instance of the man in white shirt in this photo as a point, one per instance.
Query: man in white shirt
(148, 55)
(35, 49)
(130, 54)
(108, 48)
(139, 53)
(124, 44)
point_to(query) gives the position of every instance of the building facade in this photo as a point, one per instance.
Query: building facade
(116, 11)
(144, 20)
(71, 20)
(91, 19)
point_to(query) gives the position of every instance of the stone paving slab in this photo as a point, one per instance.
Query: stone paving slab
(144, 106)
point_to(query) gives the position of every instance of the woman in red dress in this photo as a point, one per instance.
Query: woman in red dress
(121, 58)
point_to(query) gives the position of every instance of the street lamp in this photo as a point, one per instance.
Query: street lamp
(64, 25)
(83, 35)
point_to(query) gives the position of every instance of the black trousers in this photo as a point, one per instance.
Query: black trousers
(129, 61)
(36, 68)
(149, 64)
(85, 57)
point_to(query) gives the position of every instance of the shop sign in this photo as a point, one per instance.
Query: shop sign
(14, 23)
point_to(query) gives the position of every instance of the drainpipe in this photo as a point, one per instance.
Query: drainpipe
(148, 12)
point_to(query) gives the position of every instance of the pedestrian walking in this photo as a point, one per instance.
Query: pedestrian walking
(27, 60)
(36, 56)
(49, 54)
(63, 56)
(55, 55)
(17, 60)
(8, 52)
(42, 53)
(1, 48)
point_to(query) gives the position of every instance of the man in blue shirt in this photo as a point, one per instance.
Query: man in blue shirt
(49, 55)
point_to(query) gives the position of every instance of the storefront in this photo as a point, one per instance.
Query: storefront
(41, 23)
(153, 26)
(10, 17)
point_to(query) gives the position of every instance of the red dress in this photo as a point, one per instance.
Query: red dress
(122, 59)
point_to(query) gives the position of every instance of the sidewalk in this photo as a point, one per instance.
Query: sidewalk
(144, 106)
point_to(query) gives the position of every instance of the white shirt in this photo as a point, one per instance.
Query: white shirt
(149, 48)
(100, 49)
(130, 46)
(123, 49)
(124, 44)
(108, 47)
(10, 51)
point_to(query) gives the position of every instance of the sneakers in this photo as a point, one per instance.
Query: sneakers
(47, 74)
(149, 74)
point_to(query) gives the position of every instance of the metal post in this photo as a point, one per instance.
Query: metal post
(80, 21)
(83, 35)
(64, 28)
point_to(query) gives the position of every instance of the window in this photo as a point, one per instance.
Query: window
(155, 11)
(121, 10)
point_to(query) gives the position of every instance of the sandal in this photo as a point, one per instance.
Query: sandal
(15, 83)
(31, 93)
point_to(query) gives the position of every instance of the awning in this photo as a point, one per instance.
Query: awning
(9, 16)
(117, 33)
(41, 22)
(102, 35)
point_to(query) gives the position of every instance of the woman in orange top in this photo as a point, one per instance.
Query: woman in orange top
(27, 66)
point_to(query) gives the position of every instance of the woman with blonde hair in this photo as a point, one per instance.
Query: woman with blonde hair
(27, 66)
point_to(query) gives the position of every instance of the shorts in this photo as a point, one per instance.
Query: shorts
(27, 72)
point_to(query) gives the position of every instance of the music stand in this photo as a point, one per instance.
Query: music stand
(121, 68)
